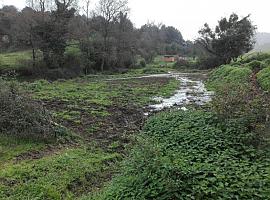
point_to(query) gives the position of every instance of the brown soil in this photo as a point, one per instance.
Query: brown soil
(38, 154)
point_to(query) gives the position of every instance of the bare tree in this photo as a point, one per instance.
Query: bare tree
(109, 10)
(66, 4)
(86, 9)
(40, 5)
(24, 30)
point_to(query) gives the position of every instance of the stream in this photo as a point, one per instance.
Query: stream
(191, 91)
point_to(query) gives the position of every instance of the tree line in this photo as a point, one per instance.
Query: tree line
(104, 34)
(102, 37)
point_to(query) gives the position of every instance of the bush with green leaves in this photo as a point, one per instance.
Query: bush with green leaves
(255, 65)
(243, 106)
(264, 78)
(210, 62)
(21, 116)
(267, 62)
(187, 155)
(142, 63)
(255, 57)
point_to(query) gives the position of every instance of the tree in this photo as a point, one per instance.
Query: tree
(40, 5)
(24, 30)
(231, 38)
(86, 9)
(8, 15)
(109, 11)
(52, 33)
(150, 41)
(125, 41)
(171, 35)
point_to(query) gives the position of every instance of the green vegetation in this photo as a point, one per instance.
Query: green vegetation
(94, 117)
(189, 155)
(264, 78)
(229, 74)
(57, 176)
(11, 147)
(21, 116)
(221, 153)
(255, 65)
(75, 131)
(239, 98)
(12, 60)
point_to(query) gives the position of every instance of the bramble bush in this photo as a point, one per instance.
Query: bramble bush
(21, 116)
(242, 106)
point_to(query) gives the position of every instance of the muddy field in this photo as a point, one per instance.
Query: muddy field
(102, 116)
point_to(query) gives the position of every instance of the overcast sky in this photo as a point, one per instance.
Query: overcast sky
(189, 15)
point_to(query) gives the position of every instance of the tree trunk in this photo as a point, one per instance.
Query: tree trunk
(34, 57)
(46, 58)
(102, 64)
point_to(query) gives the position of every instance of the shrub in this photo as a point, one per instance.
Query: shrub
(209, 62)
(21, 116)
(241, 105)
(264, 78)
(143, 63)
(181, 63)
(255, 65)
(267, 62)
(257, 56)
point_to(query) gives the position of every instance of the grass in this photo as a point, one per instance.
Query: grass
(95, 110)
(61, 176)
(229, 74)
(239, 72)
(95, 96)
(264, 78)
(13, 60)
(11, 147)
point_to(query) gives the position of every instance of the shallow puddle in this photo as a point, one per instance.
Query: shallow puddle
(191, 91)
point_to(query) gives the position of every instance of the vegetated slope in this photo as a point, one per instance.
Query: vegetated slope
(264, 78)
(189, 155)
(241, 71)
(228, 74)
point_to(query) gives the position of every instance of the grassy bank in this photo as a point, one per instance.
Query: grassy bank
(264, 78)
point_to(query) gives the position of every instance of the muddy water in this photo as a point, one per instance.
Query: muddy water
(191, 91)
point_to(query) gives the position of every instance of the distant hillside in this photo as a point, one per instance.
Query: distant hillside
(263, 42)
